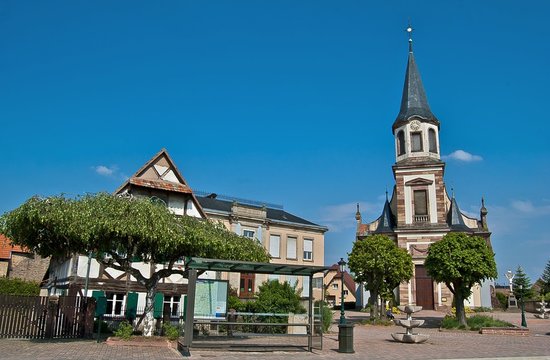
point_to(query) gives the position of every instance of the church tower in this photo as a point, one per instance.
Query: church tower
(420, 211)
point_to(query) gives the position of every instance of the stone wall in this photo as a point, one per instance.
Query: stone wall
(28, 266)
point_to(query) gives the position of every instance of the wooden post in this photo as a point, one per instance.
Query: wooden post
(51, 316)
(89, 317)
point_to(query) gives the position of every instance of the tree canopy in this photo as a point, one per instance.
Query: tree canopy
(521, 285)
(460, 261)
(546, 279)
(380, 264)
(123, 230)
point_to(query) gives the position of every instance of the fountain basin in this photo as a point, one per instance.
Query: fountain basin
(409, 338)
(408, 323)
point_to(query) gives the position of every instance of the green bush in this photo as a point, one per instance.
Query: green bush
(503, 300)
(475, 322)
(10, 286)
(171, 331)
(326, 315)
(482, 309)
(124, 331)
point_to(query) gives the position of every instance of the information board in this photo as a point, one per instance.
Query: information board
(211, 299)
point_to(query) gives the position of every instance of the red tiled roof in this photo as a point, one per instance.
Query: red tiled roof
(363, 228)
(6, 247)
(348, 279)
(161, 184)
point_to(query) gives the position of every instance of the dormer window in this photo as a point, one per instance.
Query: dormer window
(432, 141)
(400, 143)
(416, 142)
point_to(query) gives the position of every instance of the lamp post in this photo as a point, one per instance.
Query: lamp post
(341, 266)
(523, 321)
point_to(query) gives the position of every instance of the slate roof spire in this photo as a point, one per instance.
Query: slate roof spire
(454, 217)
(387, 222)
(414, 102)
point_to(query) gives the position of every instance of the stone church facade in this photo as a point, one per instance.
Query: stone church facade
(420, 210)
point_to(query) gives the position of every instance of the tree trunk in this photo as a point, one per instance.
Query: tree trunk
(149, 321)
(375, 310)
(460, 313)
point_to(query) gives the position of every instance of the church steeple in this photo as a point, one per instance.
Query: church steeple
(414, 102)
(416, 129)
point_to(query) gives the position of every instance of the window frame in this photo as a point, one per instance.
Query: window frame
(278, 237)
(305, 252)
(419, 134)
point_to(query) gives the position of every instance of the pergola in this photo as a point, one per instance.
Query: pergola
(194, 264)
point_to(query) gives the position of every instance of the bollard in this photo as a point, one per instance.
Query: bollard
(345, 338)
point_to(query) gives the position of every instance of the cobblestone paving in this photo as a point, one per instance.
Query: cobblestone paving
(370, 342)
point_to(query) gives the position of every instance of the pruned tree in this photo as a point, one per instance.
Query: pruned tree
(120, 231)
(381, 265)
(521, 285)
(460, 261)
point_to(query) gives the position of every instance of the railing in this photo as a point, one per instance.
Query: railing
(421, 218)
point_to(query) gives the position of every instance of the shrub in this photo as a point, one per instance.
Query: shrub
(475, 322)
(124, 331)
(170, 331)
(503, 300)
(482, 309)
(326, 315)
(9, 286)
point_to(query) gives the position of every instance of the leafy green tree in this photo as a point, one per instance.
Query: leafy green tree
(280, 298)
(521, 285)
(381, 265)
(460, 261)
(546, 279)
(120, 231)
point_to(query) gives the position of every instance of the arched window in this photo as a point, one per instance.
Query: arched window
(432, 141)
(400, 143)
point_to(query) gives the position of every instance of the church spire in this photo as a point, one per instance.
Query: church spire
(414, 102)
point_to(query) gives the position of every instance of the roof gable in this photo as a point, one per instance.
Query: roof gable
(161, 173)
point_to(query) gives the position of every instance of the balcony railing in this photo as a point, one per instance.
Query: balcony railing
(421, 218)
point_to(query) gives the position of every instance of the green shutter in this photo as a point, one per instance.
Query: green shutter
(159, 305)
(131, 305)
(101, 302)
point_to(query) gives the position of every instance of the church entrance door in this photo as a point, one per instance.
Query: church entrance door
(424, 288)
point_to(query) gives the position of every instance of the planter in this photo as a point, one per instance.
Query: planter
(143, 341)
(505, 331)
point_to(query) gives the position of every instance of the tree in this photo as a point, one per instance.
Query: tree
(546, 279)
(120, 231)
(279, 298)
(460, 261)
(521, 285)
(381, 265)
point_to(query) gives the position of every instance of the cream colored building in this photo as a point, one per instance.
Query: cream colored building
(288, 238)
(333, 287)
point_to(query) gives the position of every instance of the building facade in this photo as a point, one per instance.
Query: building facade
(288, 239)
(19, 263)
(333, 287)
(420, 210)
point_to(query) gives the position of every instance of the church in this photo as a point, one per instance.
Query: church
(420, 210)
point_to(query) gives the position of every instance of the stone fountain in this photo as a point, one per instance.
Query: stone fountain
(409, 324)
(541, 308)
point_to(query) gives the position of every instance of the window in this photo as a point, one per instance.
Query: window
(173, 303)
(420, 202)
(318, 283)
(305, 286)
(248, 233)
(432, 141)
(247, 285)
(115, 304)
(335, 286)
(345, 293)
(274, 245)
(308, 249)
(400, 143)
(416, 141)
(292, 280)
(291, 248)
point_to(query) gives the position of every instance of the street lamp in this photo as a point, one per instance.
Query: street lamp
(523, 321)
(341, 266)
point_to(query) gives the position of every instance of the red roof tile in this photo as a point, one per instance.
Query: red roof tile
(161, 184)
(6, 247)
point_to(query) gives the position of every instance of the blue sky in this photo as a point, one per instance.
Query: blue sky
(288, 102)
